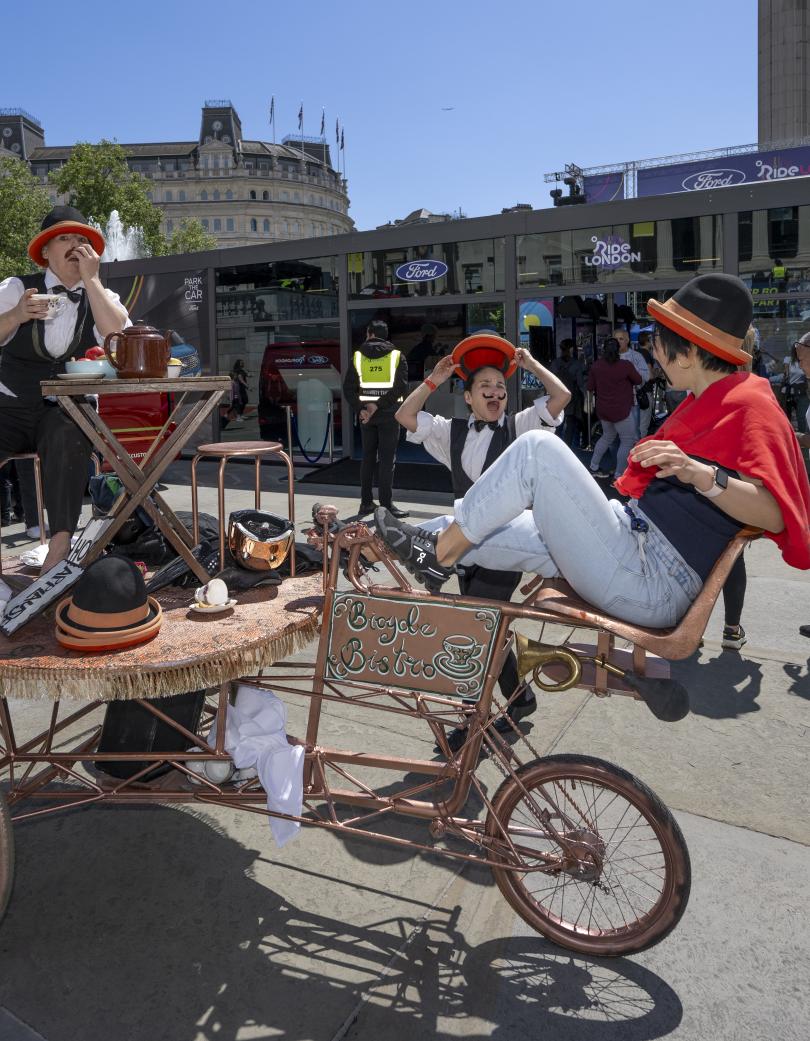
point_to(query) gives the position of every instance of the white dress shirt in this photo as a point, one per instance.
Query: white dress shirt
(433, 433)
(636, 359)
(59, 330)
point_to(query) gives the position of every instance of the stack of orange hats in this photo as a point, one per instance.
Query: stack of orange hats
(108, 610)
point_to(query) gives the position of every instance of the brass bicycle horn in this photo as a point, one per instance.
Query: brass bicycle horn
(532, 655)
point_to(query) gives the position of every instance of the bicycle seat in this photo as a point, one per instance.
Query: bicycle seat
(558, 598)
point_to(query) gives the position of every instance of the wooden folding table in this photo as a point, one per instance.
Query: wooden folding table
(193, 400)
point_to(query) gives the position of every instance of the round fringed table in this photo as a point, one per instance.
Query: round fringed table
(192, 651)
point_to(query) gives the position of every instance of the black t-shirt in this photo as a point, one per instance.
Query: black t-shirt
(698, 529)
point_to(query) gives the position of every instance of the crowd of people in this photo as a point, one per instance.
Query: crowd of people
(727, 458)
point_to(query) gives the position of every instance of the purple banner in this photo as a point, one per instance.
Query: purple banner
(724, 172)
(605, 187)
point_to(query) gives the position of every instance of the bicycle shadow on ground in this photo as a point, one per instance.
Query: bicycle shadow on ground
(726, 686)
(145, 922)
(414, 830)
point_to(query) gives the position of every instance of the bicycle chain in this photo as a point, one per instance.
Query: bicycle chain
(524, 738)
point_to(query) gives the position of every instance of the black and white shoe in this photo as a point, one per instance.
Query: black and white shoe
(414, 547)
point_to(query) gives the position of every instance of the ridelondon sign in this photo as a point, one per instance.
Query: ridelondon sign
(707, 174)
(611, 252)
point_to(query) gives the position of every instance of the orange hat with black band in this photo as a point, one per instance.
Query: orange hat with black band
(483, 349)
(109, 609)
(711, 311)
(63, 220)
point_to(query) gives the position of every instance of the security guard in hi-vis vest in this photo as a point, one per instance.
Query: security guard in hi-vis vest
(375, 385)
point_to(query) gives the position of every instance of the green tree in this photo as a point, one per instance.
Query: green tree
(23, 204)
(190, 237)
(97, 180)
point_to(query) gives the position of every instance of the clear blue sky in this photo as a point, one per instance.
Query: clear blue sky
(529, 85)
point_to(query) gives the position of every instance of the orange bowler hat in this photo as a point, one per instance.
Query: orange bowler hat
(480, 349)
(63, 220)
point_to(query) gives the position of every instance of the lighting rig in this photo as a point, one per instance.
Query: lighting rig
(573, 179)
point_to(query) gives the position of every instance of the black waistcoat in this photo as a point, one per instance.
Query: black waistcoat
(24, 361)
(502, 438)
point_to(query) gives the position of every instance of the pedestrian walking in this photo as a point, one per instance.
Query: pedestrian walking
(613, 378)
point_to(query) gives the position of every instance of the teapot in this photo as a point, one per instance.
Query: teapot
(141, 352)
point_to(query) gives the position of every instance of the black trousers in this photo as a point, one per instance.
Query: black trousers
(734, 592)
(379, 451)
(64, 454)
(494, 585)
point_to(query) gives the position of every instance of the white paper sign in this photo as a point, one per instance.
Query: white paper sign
(47, 588)
(92, 533)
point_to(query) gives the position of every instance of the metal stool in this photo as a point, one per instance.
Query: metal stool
(225, 450)
(37, 486)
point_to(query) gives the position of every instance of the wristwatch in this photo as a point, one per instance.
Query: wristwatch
(719, 483)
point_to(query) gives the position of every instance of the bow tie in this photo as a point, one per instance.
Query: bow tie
(73, 294)
(479, 424)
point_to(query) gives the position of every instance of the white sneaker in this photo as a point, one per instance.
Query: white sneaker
(733, 637)
(34, 532)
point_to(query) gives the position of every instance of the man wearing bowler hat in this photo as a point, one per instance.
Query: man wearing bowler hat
(36, 342)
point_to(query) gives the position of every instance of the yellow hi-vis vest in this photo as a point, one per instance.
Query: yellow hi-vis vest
(376, 374)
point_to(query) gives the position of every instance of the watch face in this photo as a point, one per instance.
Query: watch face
(721, 478)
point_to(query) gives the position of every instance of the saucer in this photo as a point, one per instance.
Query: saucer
(213, 608)
(445, 664)
(86, 376)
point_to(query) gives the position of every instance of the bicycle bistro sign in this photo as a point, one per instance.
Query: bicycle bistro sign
(611, 252)
(408, 643)
(421, 270)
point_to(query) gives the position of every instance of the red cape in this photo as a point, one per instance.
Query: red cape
(737, 423)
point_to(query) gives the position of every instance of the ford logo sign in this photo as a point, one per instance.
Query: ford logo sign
(712, 179)
(421, 270)
(317, 359)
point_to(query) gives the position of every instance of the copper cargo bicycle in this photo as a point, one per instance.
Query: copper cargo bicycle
(583, 851)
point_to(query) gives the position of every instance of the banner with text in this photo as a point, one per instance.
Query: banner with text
(724, 172)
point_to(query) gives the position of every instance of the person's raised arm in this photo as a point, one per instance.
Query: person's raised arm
(558, 394)
(415, 401)
(25, 310)
(108, 317)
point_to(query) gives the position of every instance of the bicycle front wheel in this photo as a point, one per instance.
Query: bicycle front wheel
(603, 868)
(6, 856)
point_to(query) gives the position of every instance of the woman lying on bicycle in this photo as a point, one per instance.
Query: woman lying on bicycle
(726, 459)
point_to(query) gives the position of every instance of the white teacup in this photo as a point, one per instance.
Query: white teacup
(55, 302)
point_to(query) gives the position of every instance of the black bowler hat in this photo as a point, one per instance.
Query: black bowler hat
(63, 220)
(712, 311)
(109, 608)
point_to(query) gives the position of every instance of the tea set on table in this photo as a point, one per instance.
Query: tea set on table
(139, 352)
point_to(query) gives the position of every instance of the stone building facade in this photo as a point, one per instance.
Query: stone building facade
(783, 71)
(244, 192)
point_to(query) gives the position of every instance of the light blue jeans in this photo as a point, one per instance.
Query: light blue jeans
(538, 509)
(627, 432)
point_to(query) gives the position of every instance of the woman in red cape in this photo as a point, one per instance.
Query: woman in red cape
(726, 459)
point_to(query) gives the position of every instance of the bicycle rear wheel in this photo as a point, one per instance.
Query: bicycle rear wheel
(618, 882)
(6, 856)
